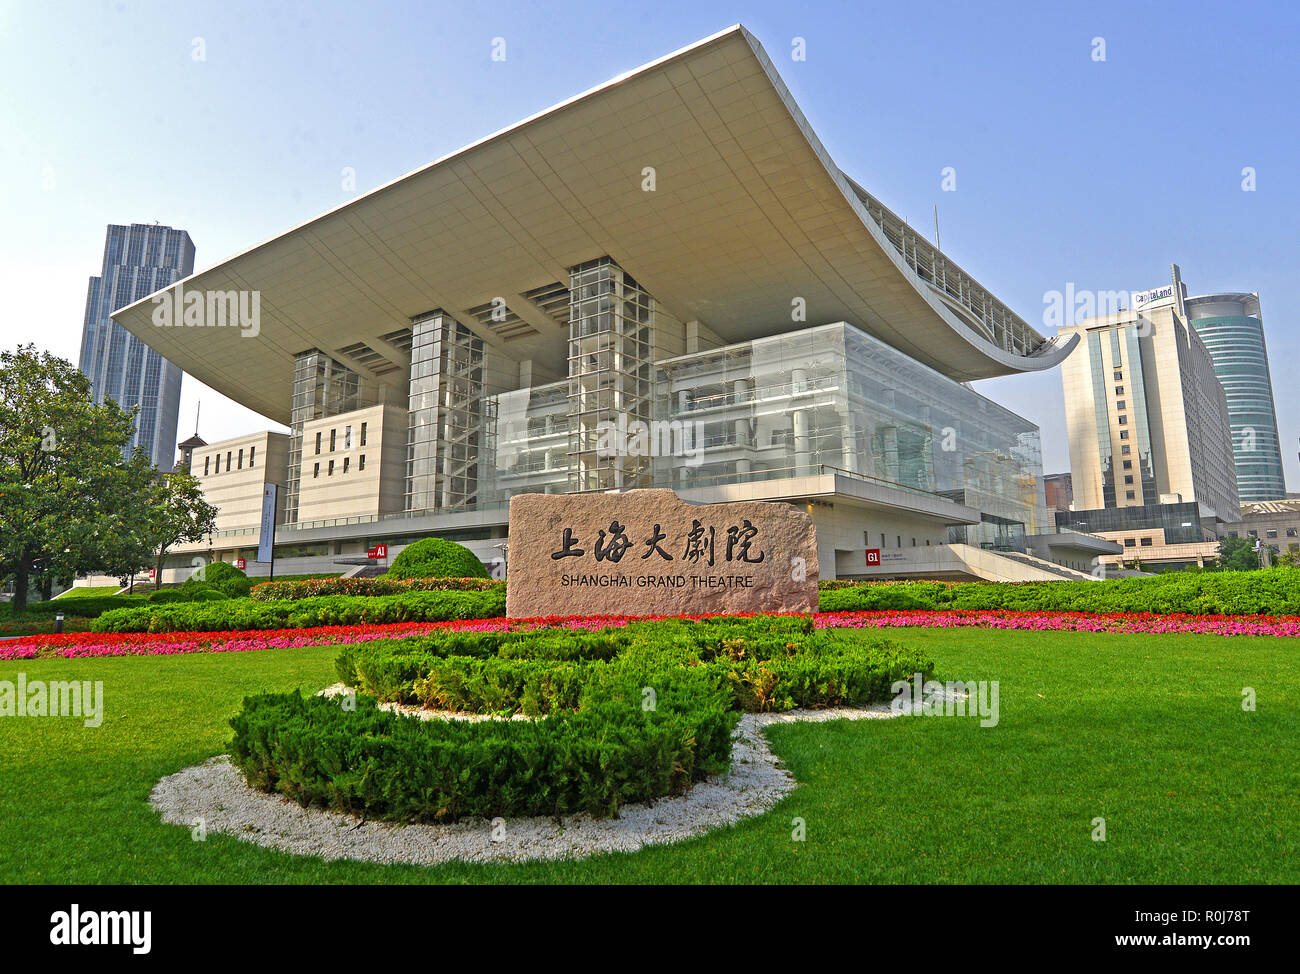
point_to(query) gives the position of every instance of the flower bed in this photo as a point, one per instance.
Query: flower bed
(167, 643)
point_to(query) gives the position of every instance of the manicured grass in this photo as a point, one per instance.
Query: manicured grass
(1146, 731)
(90, 591)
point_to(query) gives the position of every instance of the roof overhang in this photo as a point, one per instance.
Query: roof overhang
(748, 213)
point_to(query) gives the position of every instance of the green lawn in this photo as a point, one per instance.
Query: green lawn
(1146, 731)
(90, 591)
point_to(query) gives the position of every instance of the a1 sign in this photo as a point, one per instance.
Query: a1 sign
(378, 551)
(873, 556)
(240, 563)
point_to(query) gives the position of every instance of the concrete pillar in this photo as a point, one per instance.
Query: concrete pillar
(802, 453)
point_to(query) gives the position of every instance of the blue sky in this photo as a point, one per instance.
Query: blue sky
(1068, 170)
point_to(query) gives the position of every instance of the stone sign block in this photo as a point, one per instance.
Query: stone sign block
(647, 552)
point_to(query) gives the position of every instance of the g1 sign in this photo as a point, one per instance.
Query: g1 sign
(873, 556)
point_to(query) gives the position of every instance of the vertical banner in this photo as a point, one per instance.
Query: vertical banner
(266, 539)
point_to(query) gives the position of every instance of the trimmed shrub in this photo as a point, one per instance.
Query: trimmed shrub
(221, 576)
(593, 744)
(309, 588)
(167, 595)
(333, 610)
(436, 558)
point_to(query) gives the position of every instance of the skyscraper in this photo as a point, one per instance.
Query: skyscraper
(1148, 419)
(138, 260)
(1232, 329)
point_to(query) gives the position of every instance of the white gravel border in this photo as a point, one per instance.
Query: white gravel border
(215, 794)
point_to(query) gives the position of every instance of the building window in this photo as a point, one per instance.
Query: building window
(315, 471)
(345, 464)
(1271, 533)
(330, 472)
(1232, 534)
(1252, 533)
(1119, 390)
(207, 466)
(899, 539)
(333, 439)
(318, 443)
(229, 454)
(1121, 404)
(1125, 450)
(1128, 464)
(1146, 542)
(913, 542)
(1128, 479)
(1129, 495)
(241, 460)
(361, 462)
(866, 539)
(1123, 420)
(347, 437)
(1123, 434)
(252, 456)
(363, 434)
(1118, 375)
(1291, 532)
(1130, 543)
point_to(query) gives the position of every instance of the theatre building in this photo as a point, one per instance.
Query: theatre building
(665, 281)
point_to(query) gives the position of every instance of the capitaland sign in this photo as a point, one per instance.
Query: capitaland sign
(1142, 300)
(660, 554)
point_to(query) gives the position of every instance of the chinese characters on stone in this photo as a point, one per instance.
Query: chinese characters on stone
(701, 544)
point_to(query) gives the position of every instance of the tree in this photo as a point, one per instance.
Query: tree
(66, 489)
(1237, 554)
(177, 513)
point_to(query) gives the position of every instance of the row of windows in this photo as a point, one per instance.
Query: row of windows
(233, 461)
(1268, 533)
(329, 472)
(1133, 542)
(898, 539)
(347, 438)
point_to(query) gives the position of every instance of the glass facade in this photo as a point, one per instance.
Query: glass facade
(138, 260)
(611, 341)
(1236, 345)
(824, 400)
(448, 418)
(1181, 523)
(833, 398)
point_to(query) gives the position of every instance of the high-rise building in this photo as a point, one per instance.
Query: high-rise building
(1150, 445)
(138, 260)
(1232, 329)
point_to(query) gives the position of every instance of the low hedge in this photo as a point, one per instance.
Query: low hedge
(333, 610)
(378, 764)
(615, 716)
(83, 608)
(383, 585)
(1274, 591)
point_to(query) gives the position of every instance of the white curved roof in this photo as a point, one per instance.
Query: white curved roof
(748, 213)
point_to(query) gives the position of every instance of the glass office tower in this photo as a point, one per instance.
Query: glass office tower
(138, 260)
(1232, 329)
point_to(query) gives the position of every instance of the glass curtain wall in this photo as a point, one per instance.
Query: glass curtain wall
(611, 321)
